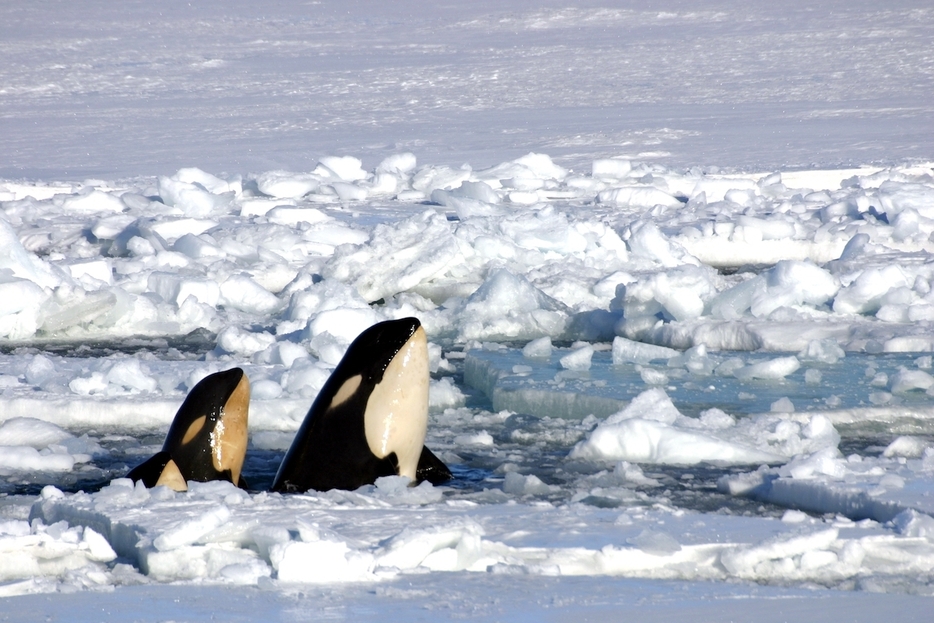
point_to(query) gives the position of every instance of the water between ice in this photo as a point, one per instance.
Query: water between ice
(526, 414)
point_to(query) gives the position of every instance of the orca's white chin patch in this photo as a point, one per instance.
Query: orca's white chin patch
(396, 415)
(229, 438)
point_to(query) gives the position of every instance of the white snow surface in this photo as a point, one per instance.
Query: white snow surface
(674, 263)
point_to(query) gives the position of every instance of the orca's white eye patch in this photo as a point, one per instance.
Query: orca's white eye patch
(193, 429)
(348, 389)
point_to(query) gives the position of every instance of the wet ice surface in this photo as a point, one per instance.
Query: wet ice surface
(857, 380)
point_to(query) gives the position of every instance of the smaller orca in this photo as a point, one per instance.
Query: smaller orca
(369, 419)
(208, 437)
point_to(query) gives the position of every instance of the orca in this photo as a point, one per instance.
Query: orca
(369, 419)
(208, 437)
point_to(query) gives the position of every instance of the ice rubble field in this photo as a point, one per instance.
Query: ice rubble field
(615, 352)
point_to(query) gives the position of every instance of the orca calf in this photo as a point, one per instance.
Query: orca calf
(208, 437)
(369, 419)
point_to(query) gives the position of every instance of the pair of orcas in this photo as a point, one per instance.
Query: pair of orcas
(368, 421)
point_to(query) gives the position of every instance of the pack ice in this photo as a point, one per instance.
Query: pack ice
(580, 324)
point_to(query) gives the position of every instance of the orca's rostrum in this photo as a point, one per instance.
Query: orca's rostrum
(369, 419)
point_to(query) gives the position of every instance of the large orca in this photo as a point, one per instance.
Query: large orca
(370, 417)
(208, 437)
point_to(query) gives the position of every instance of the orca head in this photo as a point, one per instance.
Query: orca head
(385, 370)
(208, 437)
(370, 417)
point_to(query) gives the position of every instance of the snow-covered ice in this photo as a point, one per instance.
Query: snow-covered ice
(766, 365)
(674, 264)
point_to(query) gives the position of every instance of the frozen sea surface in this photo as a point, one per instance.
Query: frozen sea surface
(674, 265)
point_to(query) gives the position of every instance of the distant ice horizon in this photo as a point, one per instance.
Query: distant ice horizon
(93, 93)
